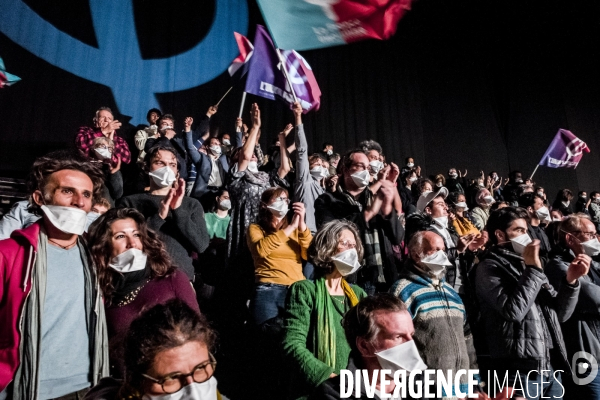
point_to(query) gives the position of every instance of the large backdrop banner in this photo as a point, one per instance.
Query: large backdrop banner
(470, 84)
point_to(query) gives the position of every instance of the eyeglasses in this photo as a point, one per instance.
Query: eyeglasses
(346, 244)
(588, 235)
(174, 382)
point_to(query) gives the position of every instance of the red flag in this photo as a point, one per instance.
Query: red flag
(238, 67)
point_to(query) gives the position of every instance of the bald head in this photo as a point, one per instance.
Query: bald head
(423, 244)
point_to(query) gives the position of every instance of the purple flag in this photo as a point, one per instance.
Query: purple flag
(565, 151)
(266, 78)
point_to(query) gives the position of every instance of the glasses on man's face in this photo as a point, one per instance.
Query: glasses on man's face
(174, 382)
(346, 244)
(587, 235)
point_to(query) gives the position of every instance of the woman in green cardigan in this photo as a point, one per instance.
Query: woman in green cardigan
(314, 344)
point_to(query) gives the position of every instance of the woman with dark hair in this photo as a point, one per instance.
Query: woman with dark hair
(134, 272)
(563, 202)
(278, 246)
(167, 355)
(419, 187)
(314, 341)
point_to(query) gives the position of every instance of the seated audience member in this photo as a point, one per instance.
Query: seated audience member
(460, 221)
(481, 212)
(104, 125)
(314, 343)
(278, 246)
(18, 217)
(578, 243)
(310, 172)
(113, 179)
(379, 331)
(593, 208)
(148, 132)
(167, 137)
(519, 306)
(498, 205)
(178, 220)
(135, 272)
(442, 333)
(53, 327)
(101, 206)
(374, 214)
(168, 355)
(538, 215)
(563, 202)
(556, 215)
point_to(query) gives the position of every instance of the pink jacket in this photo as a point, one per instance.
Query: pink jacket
(17, 258)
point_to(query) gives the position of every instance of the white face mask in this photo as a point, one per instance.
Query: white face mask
(361, 179)
(376, 166)
(540, 194)
(410, 165)
(413, 179)
(405, 356)
(520, 242)
(439, 184)
(518, 180)
(462, 204)
(453, 175)
(225, 204)
(252, 166)
(489, 200)
(67, 219)
(319, 172)
(226, 142)
(591, 247)
(543, 214)
(556, 219)
(104, 153)
(329, 152)
(129, 261)
(216, 150)
(346, 262)
(596, 199)
(91, 217)
(163, 177)
(194, 391)
(443, 221)
(279, 208)
(436, 263)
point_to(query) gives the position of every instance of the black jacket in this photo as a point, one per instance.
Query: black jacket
(521, 312)
(584, 325)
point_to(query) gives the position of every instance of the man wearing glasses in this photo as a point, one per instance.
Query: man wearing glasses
(578, 243)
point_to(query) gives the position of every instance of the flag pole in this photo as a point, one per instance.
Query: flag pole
(242, 105)
(533, 173)
(226, 93)
(287, 77)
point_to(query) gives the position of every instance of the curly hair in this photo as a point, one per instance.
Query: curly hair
(45, 166)
(325, 244)
(100, 239)
(265, 217)
(162, 327)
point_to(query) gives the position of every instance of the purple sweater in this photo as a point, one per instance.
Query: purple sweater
(157, 291)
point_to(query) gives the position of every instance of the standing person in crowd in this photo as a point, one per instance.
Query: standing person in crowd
(582, 202)
(374, 214)
(105, 125)
(278, 246)
(113, 179)
(406, 194)
(538, 214)
(168, 355)
(410, 164)
(511, 190)
(310, 172)
(453, 182)
(150, 131)
(135, 272)
(593, 209)
(167, 137)
(481, 212)
(442, 333)
(333, 159)
(314, 343)
(460, 220)
(440, 181)
(578, 243)
(178, 220)
(373, 151)
(521, 311)
(54, 329)
(562, 202)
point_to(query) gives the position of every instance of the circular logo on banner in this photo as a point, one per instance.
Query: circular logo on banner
(117, 62)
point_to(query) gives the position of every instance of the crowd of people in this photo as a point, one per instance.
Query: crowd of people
(285, 267)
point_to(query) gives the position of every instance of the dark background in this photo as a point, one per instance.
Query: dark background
(471, 84)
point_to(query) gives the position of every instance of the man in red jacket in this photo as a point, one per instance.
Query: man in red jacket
(51, 312)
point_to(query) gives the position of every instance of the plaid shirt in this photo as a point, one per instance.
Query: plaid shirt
(85, 143)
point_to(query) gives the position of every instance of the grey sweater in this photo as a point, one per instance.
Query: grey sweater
(183, 232)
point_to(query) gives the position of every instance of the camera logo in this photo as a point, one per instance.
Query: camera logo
(581, 363)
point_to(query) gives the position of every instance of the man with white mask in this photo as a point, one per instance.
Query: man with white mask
(578, 243)
(539, 216)
(442, 333)
(521, 311)
(51, 312)
(373, 213)
(178, 220)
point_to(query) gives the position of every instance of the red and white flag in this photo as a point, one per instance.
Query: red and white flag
(239, 66)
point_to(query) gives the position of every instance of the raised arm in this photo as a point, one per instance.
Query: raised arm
(284, 166)
(245, 156)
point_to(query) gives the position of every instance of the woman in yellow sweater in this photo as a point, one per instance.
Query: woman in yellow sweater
(278, 244)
